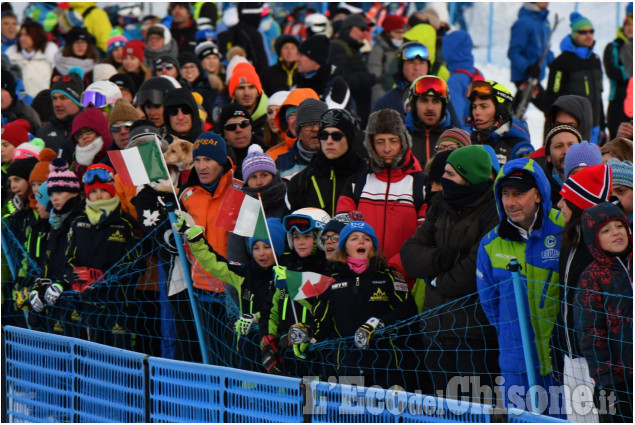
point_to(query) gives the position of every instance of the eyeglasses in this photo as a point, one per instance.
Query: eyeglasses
(167, 66)
(415, 51)
(585, 32)
(446, 147)
(336, 136)
(429, 86)
(233, 126)
(84, 131)
(100, 175)
(174, 110)
(97, 99)
(116, 128)
(300, 223)
(335, 238)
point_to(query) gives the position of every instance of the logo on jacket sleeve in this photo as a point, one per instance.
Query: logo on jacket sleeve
(379, 295)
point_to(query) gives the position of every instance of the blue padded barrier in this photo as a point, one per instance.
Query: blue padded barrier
(519, 416)
(39, 376)
(110, 384)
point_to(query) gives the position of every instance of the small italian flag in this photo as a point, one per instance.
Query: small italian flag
(138, 165)
(302, 285)
(241, 214)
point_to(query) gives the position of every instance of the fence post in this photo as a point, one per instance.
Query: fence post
(524, 323)
(190, 287)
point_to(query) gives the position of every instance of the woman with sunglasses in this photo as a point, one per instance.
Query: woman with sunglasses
(578, 70)
(320, 184)
(492, 122)
(92, 139)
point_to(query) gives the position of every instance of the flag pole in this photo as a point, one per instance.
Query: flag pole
(165, 166)
(275, 257)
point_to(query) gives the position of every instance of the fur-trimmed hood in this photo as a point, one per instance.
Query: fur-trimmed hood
(386, 121)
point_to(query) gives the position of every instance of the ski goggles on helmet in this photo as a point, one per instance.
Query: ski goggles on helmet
(300, 223)
(429, 85)
(486, 89)
(96, 99)
(100, 175)
(415, 51)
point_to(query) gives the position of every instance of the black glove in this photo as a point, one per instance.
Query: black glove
(447, 258)
(533, 71)
(270, 353)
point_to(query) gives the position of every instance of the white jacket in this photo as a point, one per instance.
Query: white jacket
(36, 71)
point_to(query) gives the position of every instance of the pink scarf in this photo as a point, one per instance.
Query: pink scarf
(358, 265)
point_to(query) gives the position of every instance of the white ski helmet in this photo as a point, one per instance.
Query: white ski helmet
(305, 220)
(101, 93)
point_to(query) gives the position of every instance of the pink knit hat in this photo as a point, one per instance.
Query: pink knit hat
(60, 178)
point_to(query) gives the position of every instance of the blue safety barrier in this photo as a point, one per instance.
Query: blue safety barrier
(524, 417)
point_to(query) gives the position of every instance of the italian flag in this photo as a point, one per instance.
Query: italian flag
(303, 285)
(241, 214)
(139, 165)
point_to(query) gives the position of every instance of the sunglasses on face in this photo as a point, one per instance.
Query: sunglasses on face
(233, 126)
(167, 66)
(100, 175)
(585, 32)
(116, 128)
(174, 110)
(336, 136)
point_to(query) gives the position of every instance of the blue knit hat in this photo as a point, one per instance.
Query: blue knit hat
(43, 197)
(578, 22)
(211, 145)
(622, 172)
(357, 226)
(582, 154)
(277, 235)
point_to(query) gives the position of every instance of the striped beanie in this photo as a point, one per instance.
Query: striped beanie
(115, 42)
(61, 179)
(622, 172)
(456, 135)
(257, 160)
(588, 187)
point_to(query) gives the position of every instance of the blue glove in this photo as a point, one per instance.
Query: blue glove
(280, 277)
(364, 332)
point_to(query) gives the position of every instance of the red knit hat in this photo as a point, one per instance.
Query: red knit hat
(16, 132)
(244, 73)
(393, 22)
(99, 182)
(588, 187)
(135, 48)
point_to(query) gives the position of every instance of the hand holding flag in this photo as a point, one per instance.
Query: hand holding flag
(302, 285)
(242, 214)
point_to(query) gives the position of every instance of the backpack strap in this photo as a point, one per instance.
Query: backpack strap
(87, 11)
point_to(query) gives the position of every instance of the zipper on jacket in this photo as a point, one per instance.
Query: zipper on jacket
(284, 307)
(317, 191)
(586, 85)
(543, 296)
(357, 281)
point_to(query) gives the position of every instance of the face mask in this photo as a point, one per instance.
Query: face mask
(396, 43)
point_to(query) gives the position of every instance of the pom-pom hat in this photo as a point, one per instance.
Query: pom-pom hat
(256, 160)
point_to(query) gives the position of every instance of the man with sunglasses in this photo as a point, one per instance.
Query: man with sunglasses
(167, 65)
(579, 71)
(413, 61)
(180, 114)
(236, 127)
(121, 118)
(345, 54)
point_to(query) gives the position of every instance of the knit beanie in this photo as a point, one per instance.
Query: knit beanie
(123, 111)
(559, 129)
(622, 172)
(135, 48)
(393, 22)
(337, 223)
(22, 168)
(108, 186)
(357, 226)
(588, 187)
(257, 160)
(42, 105)
(29, 149)
(233, 63)
(206, 48)
(277, 233)
(61, 179)
(244, 73)
(103, 72)
(582, 154)
(43, 197)
(189, 57)
(437, 168)
(156, 29)
(316, 48)
(211, 145)
(163, 59)
(309, 110)
(69, 20)
(71, 86)
(342, 120)
(16, 132)
(472, 163)
(278, 98)
(456, 135)
(232, 110)
(8, 82)
(115, 42)
(79, 33)
(284, 39)
(578, 22)
(40, 171)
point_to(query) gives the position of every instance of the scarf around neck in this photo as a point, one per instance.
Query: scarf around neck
(85, 155)
(98, 211)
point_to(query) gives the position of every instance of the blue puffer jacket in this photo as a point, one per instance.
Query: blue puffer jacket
(529, 36)
(457, 51)
(538, 256)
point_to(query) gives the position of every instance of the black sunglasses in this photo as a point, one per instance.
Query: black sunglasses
(585, 32)
(233, 126)
(174, 110)
(336, 135)
(167, 66)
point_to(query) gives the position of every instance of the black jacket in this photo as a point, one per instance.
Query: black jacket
(57, 135)
(55, 264)
(250, 39)
(276, 78)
